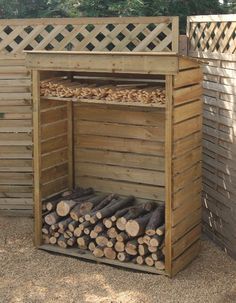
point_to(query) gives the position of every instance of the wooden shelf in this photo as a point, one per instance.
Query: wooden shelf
(95, 101)
(84, 254)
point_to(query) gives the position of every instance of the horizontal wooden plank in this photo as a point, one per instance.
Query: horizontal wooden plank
(187, 176)
(16, 213)
(14, 139)
(55, 172)
(15, 116)
(122, 145)
(187, 127)
(185, 63)
(54, 158)
(15, 103)
(8, 188)
(55, 186)
(54, 129)
(187, 240)
(186, 144)
(16, 152)
(187, 94)
(16, 201)
(54, 115)
(15, 109)
(17, 96)
(14, 89)
(125, 116)
(119, 173)
(185, 209)
(189, 159)
(16, 165)
(188, 77)
(16, 178)
(187, 111)
(15, 125)
(15, 82)
(16, 195)
(120, 159)
(121, 130)
(228, 89)
(182, 261)
(9, 207)
(54, 144)
(123, 188)
(187, 193)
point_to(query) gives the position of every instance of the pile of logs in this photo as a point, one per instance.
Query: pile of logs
(107, 225)
(135, 93)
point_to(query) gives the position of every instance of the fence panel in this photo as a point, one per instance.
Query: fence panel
(213, 39)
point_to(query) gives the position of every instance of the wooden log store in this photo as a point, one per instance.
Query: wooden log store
(121, 131)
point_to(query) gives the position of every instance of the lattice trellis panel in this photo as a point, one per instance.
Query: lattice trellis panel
(213, 40)
(212, 34)
(108, 34)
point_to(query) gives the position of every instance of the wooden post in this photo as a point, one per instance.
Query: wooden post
(70, 135)
(168, 173)
(37, 158)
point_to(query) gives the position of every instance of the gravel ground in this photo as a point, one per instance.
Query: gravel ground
(29, 275)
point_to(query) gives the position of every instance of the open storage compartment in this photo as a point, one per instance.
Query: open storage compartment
(151, 150)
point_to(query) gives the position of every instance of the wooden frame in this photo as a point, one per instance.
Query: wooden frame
(182, 142)
(128, 34)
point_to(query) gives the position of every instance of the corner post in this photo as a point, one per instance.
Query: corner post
(37, 158)
(168, 173)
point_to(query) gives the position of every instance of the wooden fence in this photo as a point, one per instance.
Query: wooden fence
(154, 34)
(213, 39)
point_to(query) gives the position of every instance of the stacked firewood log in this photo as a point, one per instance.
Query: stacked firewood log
(139, 93)
(107, 225)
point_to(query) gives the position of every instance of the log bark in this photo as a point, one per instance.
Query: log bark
(122, 237)
(119, 246)
(64, 223)
(156, 220)
(53, 240)
(110, 253)
(52, 218)
(119, 213)
(78, 232)
(45, 239)
(137, 227)
(152, 249)
(123, 257)
(143, 250)
(92, 246)
(131, 247)
(158, 255)
(72, 225)
(102, 240)
(99, 227)
(156, 240)
(160, 231)
(45, 229)
(149, 261)
(72, 241)
(160, 265)
(140, 260)
(62, 242)
(110, 210)
(98, 252)
(111, 242)
(83, 242)
(112, 232)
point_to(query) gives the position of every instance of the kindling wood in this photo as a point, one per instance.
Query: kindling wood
(212, 39)
(151, 152)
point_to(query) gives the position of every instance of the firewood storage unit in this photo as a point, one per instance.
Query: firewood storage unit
(152, 151)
